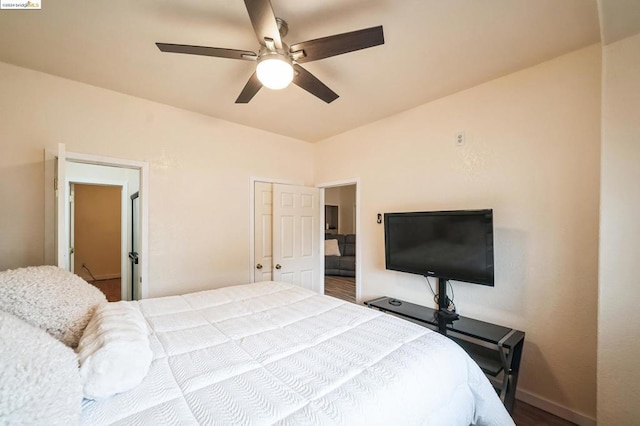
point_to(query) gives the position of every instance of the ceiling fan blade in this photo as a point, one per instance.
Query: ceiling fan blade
(311, 84)
(338, 44)
(250, 90)
(263, 21)
(207, 51)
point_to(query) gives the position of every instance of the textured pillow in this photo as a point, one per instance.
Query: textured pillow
(331, 248)
(114, 351)
(39, 380)
(51, 298)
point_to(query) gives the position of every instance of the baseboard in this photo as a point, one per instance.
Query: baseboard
(102, 277)
(554, 408)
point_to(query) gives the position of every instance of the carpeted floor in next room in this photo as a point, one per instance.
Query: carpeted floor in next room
(110, 288)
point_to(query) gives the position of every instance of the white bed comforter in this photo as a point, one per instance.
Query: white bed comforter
(273, 353)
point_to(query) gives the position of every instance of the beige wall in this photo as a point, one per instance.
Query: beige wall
(200, 170)
(347, 203)
(619, 317)
(532, 154)
(332, 196)
(97, 230)
(345, 198)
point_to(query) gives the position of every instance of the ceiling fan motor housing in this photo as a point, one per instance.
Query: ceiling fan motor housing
(283, 27)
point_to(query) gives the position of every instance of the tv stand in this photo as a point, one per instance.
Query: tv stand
(496, 349)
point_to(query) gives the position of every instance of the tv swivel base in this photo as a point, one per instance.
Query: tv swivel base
(447, 316)
(496, 349)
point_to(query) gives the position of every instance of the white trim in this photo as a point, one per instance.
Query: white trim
(321, 232)
(143, 167)
(85, 276)
(143, 276)
(79, 157)
(49, 249)
(346, 182)
(554, 408)
(62, 255)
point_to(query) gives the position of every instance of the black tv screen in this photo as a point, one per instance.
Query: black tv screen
(451, 245)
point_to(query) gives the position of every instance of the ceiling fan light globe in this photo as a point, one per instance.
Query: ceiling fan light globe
(274, 72)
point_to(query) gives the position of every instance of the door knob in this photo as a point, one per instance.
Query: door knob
(259, 266)
(278, 266)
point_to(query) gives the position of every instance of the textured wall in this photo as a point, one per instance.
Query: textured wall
(532, 154)
(200, 170)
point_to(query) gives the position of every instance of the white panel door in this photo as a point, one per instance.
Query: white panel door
(296, 245)
(72, 227)
(134, 256)
(263, 220)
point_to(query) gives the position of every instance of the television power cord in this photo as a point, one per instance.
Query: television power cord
(451, 307)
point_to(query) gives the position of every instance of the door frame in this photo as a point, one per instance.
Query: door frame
(124, 217)
(252, 212)
(333, 184)
(50, 248)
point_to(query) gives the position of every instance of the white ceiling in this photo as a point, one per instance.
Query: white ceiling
(432, 48)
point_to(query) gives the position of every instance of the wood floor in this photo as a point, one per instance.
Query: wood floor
(110, 288)
(528, 415)
(340, 287)
(523, 414)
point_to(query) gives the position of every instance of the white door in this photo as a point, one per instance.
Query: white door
(72, 227)
(262, 218)
(134, 255)
(296, 230)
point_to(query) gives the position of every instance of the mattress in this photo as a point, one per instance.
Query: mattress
(273, 353)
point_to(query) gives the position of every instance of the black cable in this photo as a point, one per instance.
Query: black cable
(453, 296)
(429, 282)
(435, 296)
(84, 266)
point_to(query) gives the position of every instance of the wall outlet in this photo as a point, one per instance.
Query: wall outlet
(460, 139)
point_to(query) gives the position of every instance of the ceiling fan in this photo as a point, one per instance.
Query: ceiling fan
(279, 64)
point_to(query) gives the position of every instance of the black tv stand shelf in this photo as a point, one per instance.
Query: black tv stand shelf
(496, 349)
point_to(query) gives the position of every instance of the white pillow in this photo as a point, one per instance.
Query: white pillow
(51, 298)
(114, 351)
(39, 380)
(331, 248)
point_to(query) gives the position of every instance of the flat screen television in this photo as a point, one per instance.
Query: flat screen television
(450, 245)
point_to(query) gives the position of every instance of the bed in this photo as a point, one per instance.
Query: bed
(274, 353)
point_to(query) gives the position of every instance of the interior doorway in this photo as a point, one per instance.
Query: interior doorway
(341, 266)
(62, 168)
(96, 236)
(105, 187)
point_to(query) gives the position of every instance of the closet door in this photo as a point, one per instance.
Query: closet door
(262, 225)
(296, 231)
